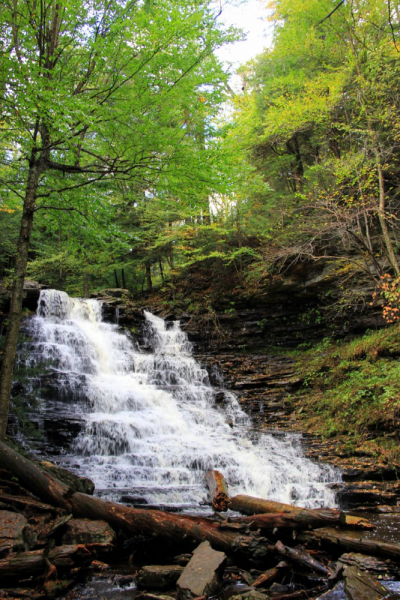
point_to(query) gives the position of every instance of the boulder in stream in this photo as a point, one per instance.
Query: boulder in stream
(361, 586)
(88, 532)
(76, 483)
(159, 577)
(203, 574)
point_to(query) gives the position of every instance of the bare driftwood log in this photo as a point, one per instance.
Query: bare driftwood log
(302, 558)
(218, 490)
(249, 505)
(171, 527)
(350, 540)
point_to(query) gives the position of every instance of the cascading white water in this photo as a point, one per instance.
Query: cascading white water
(151, 426)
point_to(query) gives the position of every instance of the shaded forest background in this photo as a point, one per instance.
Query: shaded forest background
(302, 165)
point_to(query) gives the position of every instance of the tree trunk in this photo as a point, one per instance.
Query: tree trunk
(382, 218)
(348, 541)
(25, 564)
(21, 261)
(258, 506)
(123, 278)
(116, 278)
(148, 275)
(304, 519)
(302, 558)
(218, 490)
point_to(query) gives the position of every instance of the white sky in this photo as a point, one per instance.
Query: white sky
(252, 17)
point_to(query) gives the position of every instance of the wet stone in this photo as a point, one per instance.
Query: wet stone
(86, 531)
(159, 577)
(251, 595)
(377, 566)
(78, 484)
(203, 574)
(336, 593)
(350, 495)
(12, 527)
(360, 586)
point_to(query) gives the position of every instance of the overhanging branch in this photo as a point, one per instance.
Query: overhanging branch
(331, 13)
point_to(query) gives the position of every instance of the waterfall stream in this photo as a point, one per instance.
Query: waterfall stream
(150, 428)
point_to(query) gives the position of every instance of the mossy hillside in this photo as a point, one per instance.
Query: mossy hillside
(351, 391)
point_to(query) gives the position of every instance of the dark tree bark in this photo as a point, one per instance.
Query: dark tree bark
(25, 564)
(301, 558)
(250, 505)
(21, 261)
(348, 541)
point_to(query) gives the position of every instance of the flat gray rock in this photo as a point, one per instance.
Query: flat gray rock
(202, 576)
(359, 585)
(87, 531)
(12, 527)
(159, 577)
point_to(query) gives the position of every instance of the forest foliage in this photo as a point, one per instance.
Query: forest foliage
(302, 165)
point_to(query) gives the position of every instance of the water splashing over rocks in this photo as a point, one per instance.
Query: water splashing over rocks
(150, 425)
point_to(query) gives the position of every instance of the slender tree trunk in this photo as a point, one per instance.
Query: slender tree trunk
(21, 261)
(382, 219)
(368, 234)
(148, 275)
(299, 163)
(239, 233)
(161, 269)
(116, 278)
(123, 278)
(85, 284)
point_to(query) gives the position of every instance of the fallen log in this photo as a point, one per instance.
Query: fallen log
(26, 502)
(25, 564)
(218, 490)
(302, 558)
(266, 578)
(250, 505)
(171, 527)
(303, 519)
(352, 541)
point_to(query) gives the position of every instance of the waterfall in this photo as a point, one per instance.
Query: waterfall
(150, 428)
